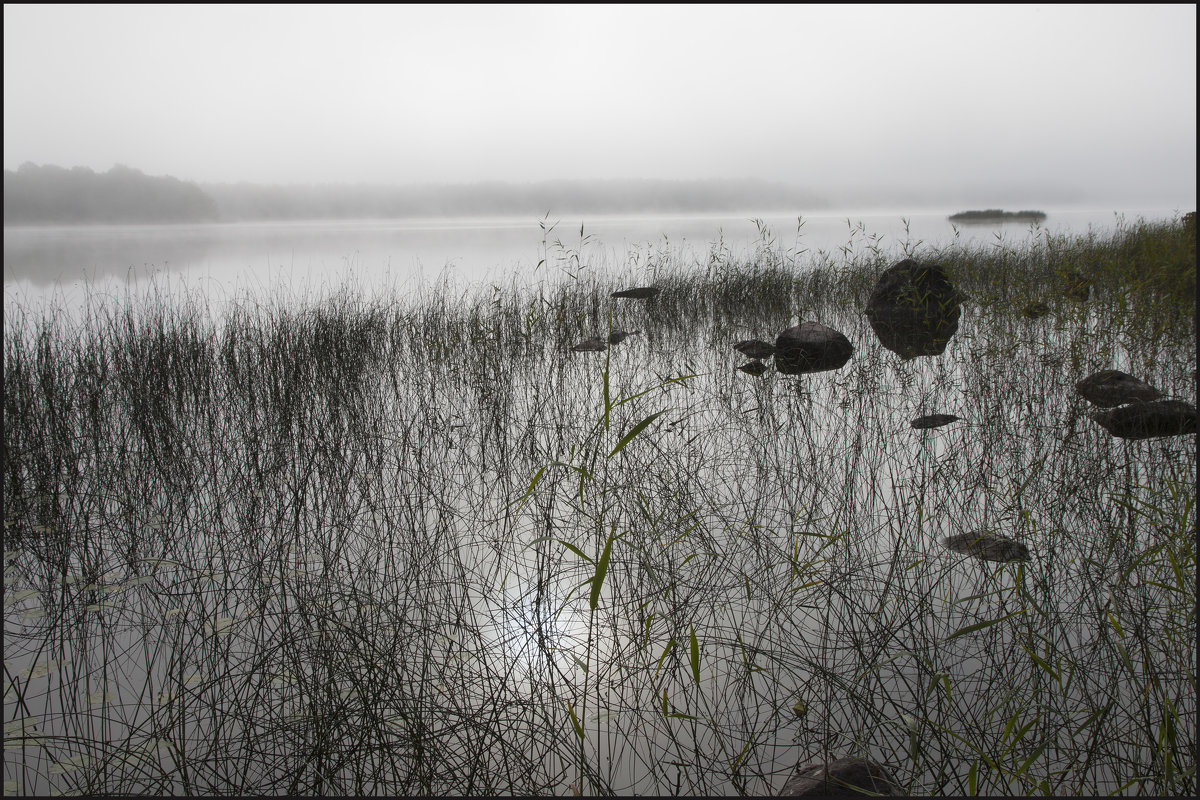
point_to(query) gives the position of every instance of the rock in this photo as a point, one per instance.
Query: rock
(755, 348)
(596, 344)
(640, 293)
(987, 546)
(1036, 310)
(1079, 287)
(1148, 420)
(754, 368)
(811, 347)
(1111, 387)
(913, 309)
(933, 421)
(592, 345)
(843, 777)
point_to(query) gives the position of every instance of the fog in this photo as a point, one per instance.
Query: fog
(983, 105)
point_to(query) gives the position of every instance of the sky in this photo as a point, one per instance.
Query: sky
(1079, 103)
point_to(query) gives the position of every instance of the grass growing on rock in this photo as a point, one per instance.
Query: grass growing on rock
(380, 545)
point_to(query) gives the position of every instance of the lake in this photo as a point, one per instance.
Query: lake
(406, 254)
(369, 547)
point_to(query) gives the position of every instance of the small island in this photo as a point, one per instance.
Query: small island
(996, 215)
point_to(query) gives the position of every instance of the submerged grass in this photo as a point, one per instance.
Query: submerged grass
(380, 546)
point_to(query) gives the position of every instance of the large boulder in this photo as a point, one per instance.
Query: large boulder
(913, 309)
(843, 777)
(1148, 420)
(1111, 387)
(811, 347)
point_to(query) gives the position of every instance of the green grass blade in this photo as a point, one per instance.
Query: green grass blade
(601, 572)
(978, 626)
(670, 646)
(634, 432)
(532, 485)
(695, 645)
(576, 551)
(1044, 666)
(663, 385)
(1027, 763)
(575, 722)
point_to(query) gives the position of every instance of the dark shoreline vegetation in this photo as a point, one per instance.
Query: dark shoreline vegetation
(997, 215)
(364, 544)
(51, 195)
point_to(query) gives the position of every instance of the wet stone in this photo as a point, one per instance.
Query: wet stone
(811, 347)
(1111, 387)
(1078, 286)
(640, 293)
(593, 345)
(1148, 420)
(843, 777)
(1036, 310)
(913, 309)
(755, 348)
(933, 421)
(987, 546)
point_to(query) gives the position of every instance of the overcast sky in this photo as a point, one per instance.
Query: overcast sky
(1096, 101)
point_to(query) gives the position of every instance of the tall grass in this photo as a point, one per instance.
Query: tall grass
(379, 545)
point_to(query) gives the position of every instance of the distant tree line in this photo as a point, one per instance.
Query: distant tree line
(256, 202)
(49, 194)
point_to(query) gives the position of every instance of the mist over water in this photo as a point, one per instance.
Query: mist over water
(308, 488)
(471, 253)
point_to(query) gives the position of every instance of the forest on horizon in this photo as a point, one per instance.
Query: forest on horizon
(51, 194)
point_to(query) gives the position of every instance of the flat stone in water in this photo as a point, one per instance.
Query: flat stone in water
(593, 345)
(755, 348)
(754, 368)
(987, 546)
(1148, 420)
(842, 777)
(933, 421)
(1111, 387)
(1078, 286)
(1036, 310)
(640, 293)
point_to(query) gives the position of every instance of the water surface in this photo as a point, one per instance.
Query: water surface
(403, 255)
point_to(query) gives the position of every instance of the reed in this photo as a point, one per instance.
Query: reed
(384, 545)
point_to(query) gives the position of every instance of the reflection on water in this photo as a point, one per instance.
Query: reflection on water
(404, 254)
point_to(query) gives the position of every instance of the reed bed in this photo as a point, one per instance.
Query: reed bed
(383, 545)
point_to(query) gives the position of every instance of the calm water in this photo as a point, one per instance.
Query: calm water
(781, 536)
(406, 254)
